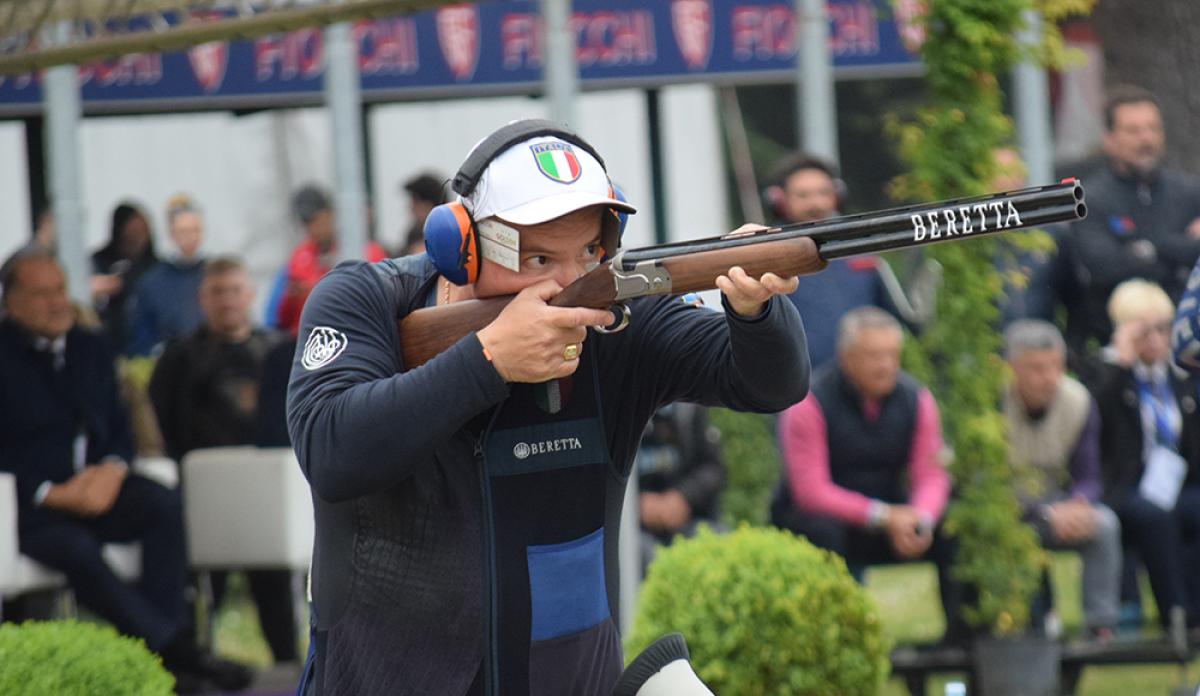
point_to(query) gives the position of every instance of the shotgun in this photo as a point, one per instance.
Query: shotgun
(798, 249)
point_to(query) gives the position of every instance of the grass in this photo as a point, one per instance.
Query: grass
(908, 603)
(238, 635)
(907, 600)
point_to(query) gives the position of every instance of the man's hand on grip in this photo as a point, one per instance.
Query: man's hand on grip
(747, 296)
(530, 340)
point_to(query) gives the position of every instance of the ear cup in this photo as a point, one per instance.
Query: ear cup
(611, 242)
(773, 200)
(451, 243)
(841, 191)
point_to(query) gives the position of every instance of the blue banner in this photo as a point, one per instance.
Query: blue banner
(495, 48)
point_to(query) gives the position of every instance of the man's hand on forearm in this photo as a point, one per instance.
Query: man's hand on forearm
(909, 537)
(89, 493)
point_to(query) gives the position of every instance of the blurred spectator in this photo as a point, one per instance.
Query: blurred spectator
(680, 475)
(1185, 334)
(1054, 450)
(425, 192)
(1150, 445)
(1142, 221)
(1033, 294)
(205, 393)
(807, 189)
(42, 238)
(118, 266)
(312, 258)
(166, 305)
(863, 475)
(65, 436)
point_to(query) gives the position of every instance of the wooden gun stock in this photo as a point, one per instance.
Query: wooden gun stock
(427, 332)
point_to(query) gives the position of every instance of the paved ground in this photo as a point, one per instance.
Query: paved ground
(280, 680)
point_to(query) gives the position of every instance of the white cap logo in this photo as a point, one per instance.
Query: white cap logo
(521, 451)
(322, 347)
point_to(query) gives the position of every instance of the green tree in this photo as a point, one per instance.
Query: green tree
(949, 149)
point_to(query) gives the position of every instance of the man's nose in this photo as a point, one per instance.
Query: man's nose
(568, 273)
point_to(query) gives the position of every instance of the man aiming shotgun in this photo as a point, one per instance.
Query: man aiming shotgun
(467, 504)
(786, 251)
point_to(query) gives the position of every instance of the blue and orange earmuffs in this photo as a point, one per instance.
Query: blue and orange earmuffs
(451, 237)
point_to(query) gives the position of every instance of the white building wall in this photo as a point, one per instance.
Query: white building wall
(14, 189)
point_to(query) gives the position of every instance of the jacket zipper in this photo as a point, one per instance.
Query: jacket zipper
(491, 668)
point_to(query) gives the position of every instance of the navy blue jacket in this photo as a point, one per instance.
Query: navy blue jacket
(428, 489)
(824, 298)
(166, 305)
(45, 409)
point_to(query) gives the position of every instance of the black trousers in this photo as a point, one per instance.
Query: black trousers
(865, 547)
(155, 609)
(1168, 544)
(273, 595)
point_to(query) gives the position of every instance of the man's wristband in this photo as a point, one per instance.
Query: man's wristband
(877, 514)
(39, 496)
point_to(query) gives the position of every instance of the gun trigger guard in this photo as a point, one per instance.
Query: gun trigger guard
(622, 310)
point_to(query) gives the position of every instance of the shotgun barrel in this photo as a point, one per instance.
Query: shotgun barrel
(924, 224)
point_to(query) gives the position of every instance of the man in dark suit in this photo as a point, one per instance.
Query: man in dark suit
(65, 436)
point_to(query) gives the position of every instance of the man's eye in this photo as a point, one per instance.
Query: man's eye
(537, 261)
(593, 249)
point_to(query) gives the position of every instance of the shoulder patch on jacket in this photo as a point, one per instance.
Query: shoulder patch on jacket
(323, 346)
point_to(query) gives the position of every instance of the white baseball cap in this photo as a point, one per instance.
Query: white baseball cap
(540, 179)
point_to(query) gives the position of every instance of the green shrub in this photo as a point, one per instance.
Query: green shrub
(763, 612)
(751, 465)
(68, 658)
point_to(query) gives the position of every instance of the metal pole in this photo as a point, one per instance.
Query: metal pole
(560, 72)
(739, 156)
(629, 554)
(345, 110)
(657, 175)
(1031, 103)
(60, 97)
(816, 101)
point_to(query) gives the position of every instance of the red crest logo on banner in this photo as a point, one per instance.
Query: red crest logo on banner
(208, 63)
(691, 21)
(458, 36)
(209, 60)
(909, 25)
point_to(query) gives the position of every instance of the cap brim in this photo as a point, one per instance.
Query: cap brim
(546, 209)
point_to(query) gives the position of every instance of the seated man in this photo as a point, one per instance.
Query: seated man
(680, 475)
(863, 475)
(65, 437)
(1054, 448)
(205, 392)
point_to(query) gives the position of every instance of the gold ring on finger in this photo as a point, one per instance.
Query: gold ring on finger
(571, 351)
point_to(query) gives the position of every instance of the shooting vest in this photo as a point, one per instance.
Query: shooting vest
(1039, 450)
(868, 456)
(552, 504)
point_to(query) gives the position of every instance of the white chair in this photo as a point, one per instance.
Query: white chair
(20, 574)
(248, 508)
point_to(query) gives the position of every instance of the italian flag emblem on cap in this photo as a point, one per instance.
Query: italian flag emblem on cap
(557, 161)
